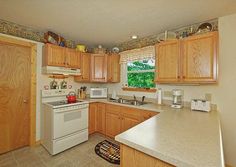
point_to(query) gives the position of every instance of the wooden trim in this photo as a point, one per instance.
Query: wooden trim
(58, 76)
(33, 46)
(151, 90)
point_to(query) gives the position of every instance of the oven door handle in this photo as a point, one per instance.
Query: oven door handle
(68, 111)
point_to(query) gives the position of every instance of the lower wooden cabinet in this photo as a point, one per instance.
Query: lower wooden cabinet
(134, 158)
(112, 120)
(101, 118)
(97, 122)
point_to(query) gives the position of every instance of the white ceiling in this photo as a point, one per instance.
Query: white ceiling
(109, 22)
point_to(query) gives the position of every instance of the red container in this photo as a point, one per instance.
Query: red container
(71, 97)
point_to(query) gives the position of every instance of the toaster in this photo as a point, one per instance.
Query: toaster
(200, 105)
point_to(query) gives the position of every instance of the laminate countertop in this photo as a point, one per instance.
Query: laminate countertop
(180, 137)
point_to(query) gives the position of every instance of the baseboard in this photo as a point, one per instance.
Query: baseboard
(226, 165)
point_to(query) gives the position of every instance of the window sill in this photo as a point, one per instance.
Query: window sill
(151, 90)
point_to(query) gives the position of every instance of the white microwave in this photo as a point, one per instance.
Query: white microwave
(98, 93)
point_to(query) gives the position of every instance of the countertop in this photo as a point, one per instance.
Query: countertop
(180, 137)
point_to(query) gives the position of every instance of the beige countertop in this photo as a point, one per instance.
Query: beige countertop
(180, 137)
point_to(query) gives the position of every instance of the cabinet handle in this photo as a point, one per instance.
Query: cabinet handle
(183, 77)
(178, 77)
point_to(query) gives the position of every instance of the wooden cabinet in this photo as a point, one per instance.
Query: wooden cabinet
(113, 68)
(113, 120)
(148, 114)
(168, 61)
(129, 118)
(100, 118)
(85, 68)
(54, 55)
(98, 68)
(199, 58)
(72, 58)
(189, 60)
(134, 158)
(92, 117)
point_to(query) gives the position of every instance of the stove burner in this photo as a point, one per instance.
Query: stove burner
(63, 102)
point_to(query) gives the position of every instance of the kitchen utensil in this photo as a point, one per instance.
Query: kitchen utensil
(71, 97)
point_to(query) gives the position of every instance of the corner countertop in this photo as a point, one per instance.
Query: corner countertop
(180, 137)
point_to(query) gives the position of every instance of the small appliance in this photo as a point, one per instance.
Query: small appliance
(177, 101)
(96, 93)
(200, 105)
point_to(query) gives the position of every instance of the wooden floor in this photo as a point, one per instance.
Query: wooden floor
(82, 155)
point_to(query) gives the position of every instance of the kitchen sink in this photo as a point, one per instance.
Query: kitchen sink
(128, 102)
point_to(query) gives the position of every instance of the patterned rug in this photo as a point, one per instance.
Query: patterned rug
(108, 151)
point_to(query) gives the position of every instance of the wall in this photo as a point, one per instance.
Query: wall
(223, 93)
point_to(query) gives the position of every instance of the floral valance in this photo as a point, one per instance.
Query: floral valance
(137, 54)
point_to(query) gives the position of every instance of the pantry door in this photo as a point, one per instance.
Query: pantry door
(15, 95)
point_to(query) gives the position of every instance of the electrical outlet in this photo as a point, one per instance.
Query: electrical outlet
(208, 96)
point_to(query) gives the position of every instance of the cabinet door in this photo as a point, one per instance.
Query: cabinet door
(85, 68)
(148, 114)
(113, 120)
(101, 118)
(200, 58)
(92, 117)
(53, 55)
(113, 73)
(167, 62)
(130, 118)
(98, 67)
(72, 58)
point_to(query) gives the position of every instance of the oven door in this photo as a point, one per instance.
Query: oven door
(68, 122)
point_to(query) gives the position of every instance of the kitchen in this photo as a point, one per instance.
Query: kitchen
(219, 94)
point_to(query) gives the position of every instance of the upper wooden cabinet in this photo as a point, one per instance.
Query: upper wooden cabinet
(98, 68)
(191, 60)
(85, 68)
(168, 61)
(199, 58)
(60, 56)
(113, 68)
(54, 55)
(72, 58)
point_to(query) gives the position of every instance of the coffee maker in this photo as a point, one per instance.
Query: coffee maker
(177, 101)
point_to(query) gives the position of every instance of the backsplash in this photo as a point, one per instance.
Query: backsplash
(153, 39)
(17, 30)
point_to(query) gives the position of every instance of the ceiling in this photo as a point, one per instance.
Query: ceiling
(109, 22)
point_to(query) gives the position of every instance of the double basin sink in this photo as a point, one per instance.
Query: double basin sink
(128, 102)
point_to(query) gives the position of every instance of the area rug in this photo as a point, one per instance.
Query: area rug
(108, 151)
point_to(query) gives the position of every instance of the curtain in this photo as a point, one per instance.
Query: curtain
(137, 54)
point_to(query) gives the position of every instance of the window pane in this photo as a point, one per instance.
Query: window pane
(141, 65)
(141, 80)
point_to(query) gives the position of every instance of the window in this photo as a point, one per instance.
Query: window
(140, 74)
(138, 69)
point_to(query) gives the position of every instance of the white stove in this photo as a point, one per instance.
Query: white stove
(64, 124)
